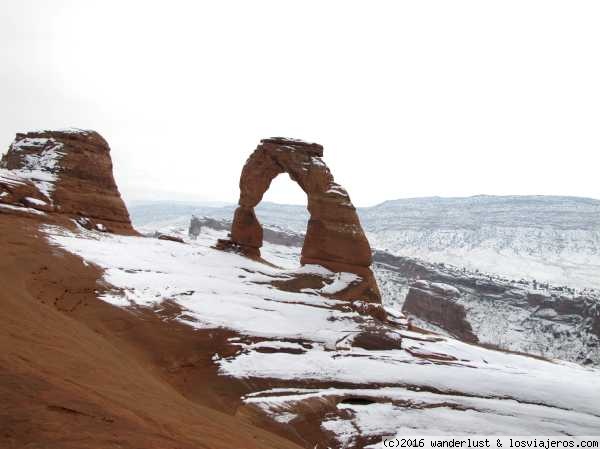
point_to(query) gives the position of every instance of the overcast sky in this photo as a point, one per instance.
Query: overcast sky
(420, 98)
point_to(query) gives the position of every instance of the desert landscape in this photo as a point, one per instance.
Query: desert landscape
(121, 337)
(322, 224)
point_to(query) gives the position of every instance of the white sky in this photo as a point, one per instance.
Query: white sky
(417, 98)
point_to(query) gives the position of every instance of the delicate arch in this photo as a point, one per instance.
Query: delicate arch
(334, 237)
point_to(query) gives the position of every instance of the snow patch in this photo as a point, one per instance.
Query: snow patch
(341, 282)
(35, 201)
(27, 210)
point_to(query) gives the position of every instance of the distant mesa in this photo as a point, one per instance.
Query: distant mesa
(334, 236)
(66, 173)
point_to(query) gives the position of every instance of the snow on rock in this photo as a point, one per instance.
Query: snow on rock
(39, 165)
(541, 319)
(25, 210)
(445, 288)
(35, 201)
(340, 282)
(314, 269)
(67, 173)
(217, 289)
(429, 385)
(548, 238)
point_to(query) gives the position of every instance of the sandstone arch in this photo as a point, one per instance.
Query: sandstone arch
(334, 236)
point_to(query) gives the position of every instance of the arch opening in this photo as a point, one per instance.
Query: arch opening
(284, 222)
(284, 191)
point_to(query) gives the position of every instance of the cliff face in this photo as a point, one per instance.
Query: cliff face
(66, 172)
(437, 304)
(518, 315)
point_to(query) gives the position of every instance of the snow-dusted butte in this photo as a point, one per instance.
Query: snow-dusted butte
(313, 357)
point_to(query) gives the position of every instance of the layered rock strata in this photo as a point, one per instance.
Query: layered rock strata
(67, 172)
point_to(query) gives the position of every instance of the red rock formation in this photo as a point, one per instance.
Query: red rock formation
(334, 237)
(67, 172)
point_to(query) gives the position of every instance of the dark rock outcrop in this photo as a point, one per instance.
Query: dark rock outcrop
(170, 238)
(195, 227)
(436, 304)
(334, 237)
(66, 172)
(377, 340)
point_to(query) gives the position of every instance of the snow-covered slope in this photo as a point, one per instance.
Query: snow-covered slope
(315, 358)
(514, 314)
(550, 239)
